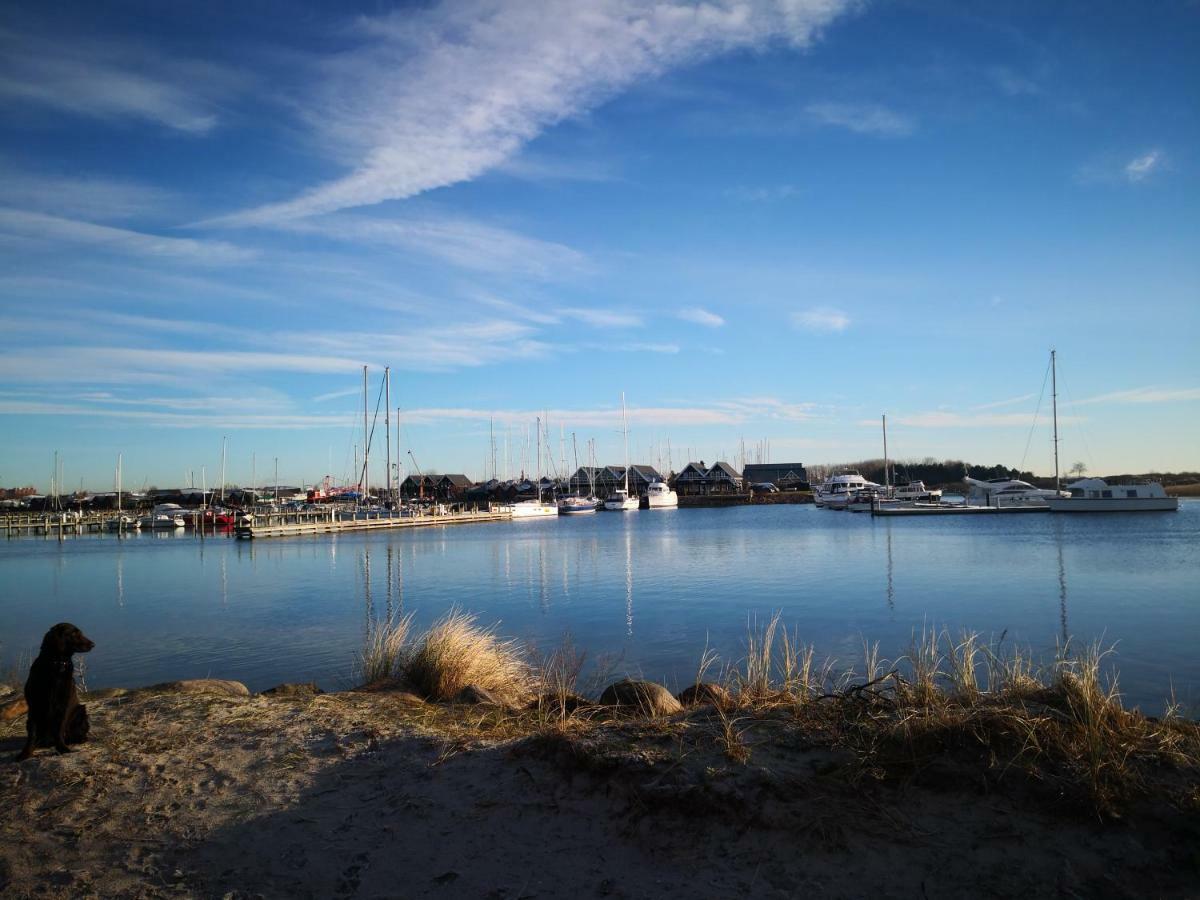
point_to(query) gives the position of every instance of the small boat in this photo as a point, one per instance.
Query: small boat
(1097, 495)
(916, 492)
(660, 496)
(573, 506)
(533, 509)
(536, 508)
(620, 501)
(164, 516)
(123, 523)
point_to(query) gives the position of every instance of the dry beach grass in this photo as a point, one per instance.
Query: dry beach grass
(960, 767)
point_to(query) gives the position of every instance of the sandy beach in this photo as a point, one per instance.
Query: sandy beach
(200, 791)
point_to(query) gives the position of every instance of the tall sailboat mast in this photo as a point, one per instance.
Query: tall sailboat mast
(1054, 401)
(625, 432)
(387, 425)
(538, 421)
(886, 483)
(366, 472)
(223, 439)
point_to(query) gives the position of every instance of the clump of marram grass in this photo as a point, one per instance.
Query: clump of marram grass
(383, 651)
(456, 652)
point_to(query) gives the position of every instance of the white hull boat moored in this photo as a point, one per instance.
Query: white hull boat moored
(1096, 495)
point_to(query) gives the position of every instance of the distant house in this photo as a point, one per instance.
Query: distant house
(453, 487)
(723, 479)
(697, 478)
(418, 486)
(584, 479)
(785, 476)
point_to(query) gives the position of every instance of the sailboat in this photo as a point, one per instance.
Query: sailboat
(619, 499)
(535, 509)
(579, 505)
(121, 522)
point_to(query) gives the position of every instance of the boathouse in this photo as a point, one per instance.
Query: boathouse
(785, 476)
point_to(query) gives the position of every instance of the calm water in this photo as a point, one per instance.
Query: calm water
(651, 586)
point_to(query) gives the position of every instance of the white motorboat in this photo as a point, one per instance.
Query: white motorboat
(573, 506)
(839, 490)
(660, 496)
(621, 500)
(1007, 492)
(164, 516)
(1097, 495)
(533, 509)
(916, 492)
(123, 523)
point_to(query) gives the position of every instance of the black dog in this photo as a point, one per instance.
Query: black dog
(55, 714)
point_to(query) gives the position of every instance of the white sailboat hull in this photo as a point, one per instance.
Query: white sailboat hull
(621, 504)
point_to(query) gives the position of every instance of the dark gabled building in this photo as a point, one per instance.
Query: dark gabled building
(785, 476)
(723, 479)
(453, 487)
(692, 479)
(418, 486)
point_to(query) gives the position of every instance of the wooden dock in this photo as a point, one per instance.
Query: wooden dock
(283, 525)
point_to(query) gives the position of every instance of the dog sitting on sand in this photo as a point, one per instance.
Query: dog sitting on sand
(55, 714)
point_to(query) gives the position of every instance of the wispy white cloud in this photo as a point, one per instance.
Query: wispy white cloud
(1142, 167)
(434, 97)
(1009, 402)
(537, 167)
(107, 79)
(602, 318)
(701, 317)
(862, 118)
(336, 395)
(91, 198)
(40, 228)
(762, 194)
(1145, 395)
(768, 408)
(457, 240)
(821, 319)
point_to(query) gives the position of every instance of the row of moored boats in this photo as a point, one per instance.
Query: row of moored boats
(850, 491)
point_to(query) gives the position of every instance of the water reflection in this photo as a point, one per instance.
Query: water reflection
(628, 582)
(891, 588)
(1062, 580)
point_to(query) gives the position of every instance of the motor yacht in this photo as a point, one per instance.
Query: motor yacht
(916, 492)
(839, 490)
(164, 516)
(660, 496)
(1007, 492)
(533, 509)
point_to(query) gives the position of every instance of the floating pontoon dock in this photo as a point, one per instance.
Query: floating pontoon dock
(950, 509)
(284, 525)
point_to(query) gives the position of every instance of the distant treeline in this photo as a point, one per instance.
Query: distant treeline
(951, 472)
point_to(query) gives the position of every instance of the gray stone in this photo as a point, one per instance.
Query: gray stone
(644, 697)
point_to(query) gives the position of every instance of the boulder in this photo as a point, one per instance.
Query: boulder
(289, 690)
(203, 686)
(705, 692)
(644, 697)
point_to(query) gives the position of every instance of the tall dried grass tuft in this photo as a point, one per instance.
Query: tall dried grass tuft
(925, 669)
(456, 652)
(755, 683)
(382, 654)
(963, 660)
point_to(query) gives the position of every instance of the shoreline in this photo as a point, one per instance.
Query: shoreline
(782, 781)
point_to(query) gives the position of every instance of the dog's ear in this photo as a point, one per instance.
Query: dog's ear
(55, 641)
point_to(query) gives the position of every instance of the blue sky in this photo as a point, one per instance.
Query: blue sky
(765, 222)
